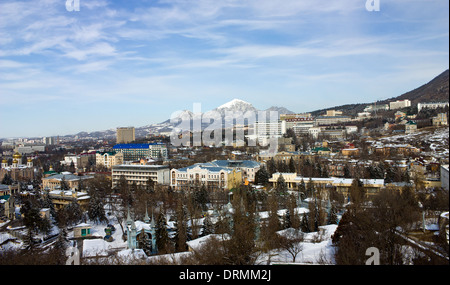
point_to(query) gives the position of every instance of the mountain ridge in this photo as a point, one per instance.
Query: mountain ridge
(436, 89)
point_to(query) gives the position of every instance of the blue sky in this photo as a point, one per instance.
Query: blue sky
(133, 63)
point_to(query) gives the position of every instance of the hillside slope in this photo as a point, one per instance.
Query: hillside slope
(434, 91)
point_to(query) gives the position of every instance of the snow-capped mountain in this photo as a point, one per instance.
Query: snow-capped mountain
(235, 105)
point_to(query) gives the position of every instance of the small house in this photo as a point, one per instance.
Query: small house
(82, 230)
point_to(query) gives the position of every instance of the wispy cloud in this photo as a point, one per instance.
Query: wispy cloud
(172, 52)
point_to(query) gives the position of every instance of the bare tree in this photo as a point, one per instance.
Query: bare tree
(291, 240)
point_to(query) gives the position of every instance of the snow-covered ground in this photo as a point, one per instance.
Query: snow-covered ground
(317, 248)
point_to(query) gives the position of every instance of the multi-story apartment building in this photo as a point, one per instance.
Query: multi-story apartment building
(440, 120)
(431, 105)
(264, 131)
(134, 152)
(399, 104)
(27, 149)
(108, 159)
(140, 174)
(375, 108)
(300, 125)
(49, 140)
(125, 135)
(332, 117)
(284, 117)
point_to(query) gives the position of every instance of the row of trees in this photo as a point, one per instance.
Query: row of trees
(318, 168)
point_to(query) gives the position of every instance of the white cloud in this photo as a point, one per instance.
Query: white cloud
(101, 49)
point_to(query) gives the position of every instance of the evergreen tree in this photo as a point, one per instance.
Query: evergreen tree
(144, 243)
(332, 216)
(273, 224)
(310, 189)
(96, 211)
(357, 191)
(162, 237)
(31, 216)
(7, 180)
(28, 240)
(304, 223)
(64, 185)
(73, 212)
(324, 173)
(222, 225)
(201, 198)
(60, 246)
(261, 176)
(281, 188)
(208, 227)
(313, 216)
(292, 168)
(347, 173)
(181, 228)
(241, 246)
(271, 167)
(48, 203)
(302, 188)
(292, 218)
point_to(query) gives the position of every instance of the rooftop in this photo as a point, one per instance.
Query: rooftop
(145, 166)
(135, 145)
(66, 176)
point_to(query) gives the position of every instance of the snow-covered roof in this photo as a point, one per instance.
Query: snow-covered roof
(82, 225)
(196, 244)
(95, 247)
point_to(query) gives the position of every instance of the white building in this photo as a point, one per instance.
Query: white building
(314, 132)
(266, 130)
(69, 159)
(351, 129)
(140, 174)
(212, 177)
(400, 104)
(331, 120)
(431, 105)
(300, 125)
(375, 107)
(49, 140)
(27, 149)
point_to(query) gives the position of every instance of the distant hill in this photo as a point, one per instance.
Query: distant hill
(434, 91)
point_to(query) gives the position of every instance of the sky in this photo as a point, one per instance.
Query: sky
(134, 63)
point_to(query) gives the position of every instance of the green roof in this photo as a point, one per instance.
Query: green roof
(321, 149)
